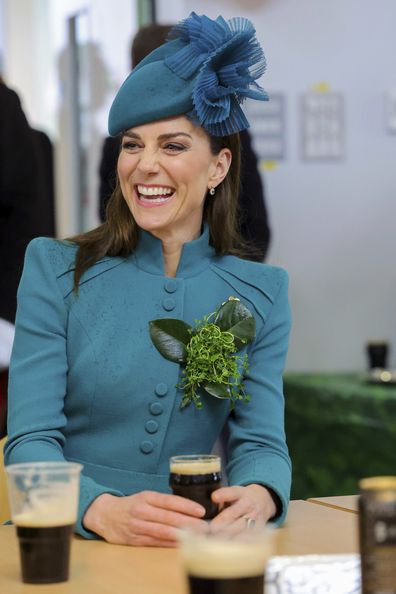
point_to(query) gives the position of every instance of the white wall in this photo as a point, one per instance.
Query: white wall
(334, 224)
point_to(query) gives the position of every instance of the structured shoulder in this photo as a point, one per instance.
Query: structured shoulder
(61, 256)
(258, 282)
(263, 277)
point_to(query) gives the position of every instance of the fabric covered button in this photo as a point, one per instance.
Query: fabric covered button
(156, 408)
(161, 389)
(170, 286)
(168, 304)
(151, 426)
(146, 447)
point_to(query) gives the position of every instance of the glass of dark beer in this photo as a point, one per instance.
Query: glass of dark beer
(44, 501)
(377, 353)
(196, 477)
(227, 561)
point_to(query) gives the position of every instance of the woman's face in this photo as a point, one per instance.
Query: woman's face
(165, 169)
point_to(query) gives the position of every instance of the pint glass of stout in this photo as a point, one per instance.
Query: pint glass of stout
(226, 562)
(43, 500)
(196, 477)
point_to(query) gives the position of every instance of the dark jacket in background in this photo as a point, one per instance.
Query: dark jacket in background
(26, 194)
(254, 225)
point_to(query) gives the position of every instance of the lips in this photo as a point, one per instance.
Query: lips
(153, 195)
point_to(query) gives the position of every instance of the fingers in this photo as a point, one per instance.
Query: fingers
(155, 518)
(174, 503)
(147, 518)
(239, 504)
(227, 494)
(159, 515)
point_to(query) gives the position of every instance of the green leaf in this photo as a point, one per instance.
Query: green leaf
(243, 332)
(170, 337)
(230, 313)
(217, 390)
(232, 316)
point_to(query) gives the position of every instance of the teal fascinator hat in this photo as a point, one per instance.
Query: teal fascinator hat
(205, 71)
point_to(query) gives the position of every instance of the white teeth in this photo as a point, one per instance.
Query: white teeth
(154, 191)
(154, 200)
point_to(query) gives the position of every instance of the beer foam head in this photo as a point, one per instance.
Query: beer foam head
(215, 557)
(30, 519)
(47, 507)
(195, 464)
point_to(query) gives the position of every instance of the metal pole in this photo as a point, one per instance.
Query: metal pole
(153, 4)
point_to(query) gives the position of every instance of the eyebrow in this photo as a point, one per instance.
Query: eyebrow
(160, 137)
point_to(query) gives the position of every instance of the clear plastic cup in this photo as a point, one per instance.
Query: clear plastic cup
(44, 501)
(230, 560)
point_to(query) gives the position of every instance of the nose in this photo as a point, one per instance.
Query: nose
(148, 161)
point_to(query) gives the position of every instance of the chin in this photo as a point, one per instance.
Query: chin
(150, 225)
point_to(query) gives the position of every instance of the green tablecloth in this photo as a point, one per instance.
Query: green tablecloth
(339, 429)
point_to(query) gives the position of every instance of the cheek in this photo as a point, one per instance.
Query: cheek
(125, 166)
(124, 170)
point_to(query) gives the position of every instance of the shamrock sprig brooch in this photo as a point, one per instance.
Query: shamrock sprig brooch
(207, 351)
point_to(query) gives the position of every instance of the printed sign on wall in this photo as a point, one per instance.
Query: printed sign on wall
(322, 126)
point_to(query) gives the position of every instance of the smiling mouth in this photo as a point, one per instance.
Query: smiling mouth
(154, 195)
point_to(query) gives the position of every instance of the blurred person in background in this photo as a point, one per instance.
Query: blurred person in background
(253, 216)
(26, 210)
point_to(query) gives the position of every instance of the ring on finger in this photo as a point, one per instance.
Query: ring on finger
(249, 522)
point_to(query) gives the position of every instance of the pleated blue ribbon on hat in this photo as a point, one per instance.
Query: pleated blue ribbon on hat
(205, 71)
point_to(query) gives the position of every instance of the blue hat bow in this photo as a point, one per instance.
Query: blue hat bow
(206, 71)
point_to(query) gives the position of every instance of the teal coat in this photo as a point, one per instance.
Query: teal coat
(88, 385)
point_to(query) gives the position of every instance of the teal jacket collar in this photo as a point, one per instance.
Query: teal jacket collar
(195, 256)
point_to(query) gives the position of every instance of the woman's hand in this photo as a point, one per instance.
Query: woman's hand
(145, 519)
(253, 501)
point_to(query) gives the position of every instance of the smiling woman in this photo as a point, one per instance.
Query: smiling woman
(165, 170)
(97, 372)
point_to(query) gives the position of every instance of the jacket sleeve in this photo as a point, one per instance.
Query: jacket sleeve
(257, 445)
(38, 372)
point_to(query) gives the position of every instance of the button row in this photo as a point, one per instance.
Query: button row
(156, 409)
(170, 286)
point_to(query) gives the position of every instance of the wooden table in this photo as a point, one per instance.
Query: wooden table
(347, 503)
(102, 568)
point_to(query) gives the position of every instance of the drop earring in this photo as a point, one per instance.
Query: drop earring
(212, 191)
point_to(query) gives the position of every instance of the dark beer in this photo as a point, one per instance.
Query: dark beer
(196, 478)
(44, 503)
(245, 585)
(377, 352)
(45, 553)
(377, 534)
(226, 562)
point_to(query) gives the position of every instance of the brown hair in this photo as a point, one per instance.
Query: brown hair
(147, 39)
(118, 235)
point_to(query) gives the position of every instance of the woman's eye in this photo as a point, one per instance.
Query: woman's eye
(174, 147)
(129, 145)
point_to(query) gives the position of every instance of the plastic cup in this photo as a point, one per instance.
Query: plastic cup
(44, 501)
(229, 561)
